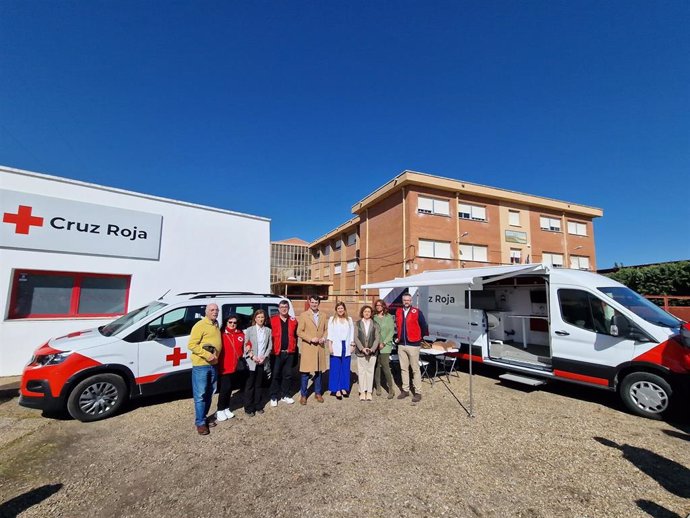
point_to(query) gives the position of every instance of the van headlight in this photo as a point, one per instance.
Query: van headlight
(51, 359)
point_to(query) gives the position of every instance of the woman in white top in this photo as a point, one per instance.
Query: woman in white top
(341, 344)
(257, 349)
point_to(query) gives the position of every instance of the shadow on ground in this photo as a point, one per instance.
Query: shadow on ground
(21, 503)
(656, 510)
(672, 476)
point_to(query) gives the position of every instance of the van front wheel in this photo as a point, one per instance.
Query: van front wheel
(97, 397)
(645, 394)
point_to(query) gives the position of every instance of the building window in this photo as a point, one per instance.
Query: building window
(555, 260)
(337, 269)
(45, 294)
(351, 265)
(338, 244)
(327, 271)
(351, 239)
(579, 262)
(550, 224)
(433, 206)
(578, 229)
(326, 250)
(514, 218)
(436, 249)
(474, 253)
(473, 212)
(515, 256)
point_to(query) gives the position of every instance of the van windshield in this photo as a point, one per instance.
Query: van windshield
(130, 318)
(642, 307)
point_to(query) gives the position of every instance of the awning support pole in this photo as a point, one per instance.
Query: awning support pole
(469, 345)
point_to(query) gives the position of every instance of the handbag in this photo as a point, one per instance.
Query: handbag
(241, 365)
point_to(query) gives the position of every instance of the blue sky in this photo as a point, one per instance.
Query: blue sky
(296, 110)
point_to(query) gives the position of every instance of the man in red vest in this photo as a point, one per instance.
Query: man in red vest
(284, 331)
(411, 326)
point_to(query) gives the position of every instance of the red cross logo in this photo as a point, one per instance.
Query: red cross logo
(23, 220)
(176, 356)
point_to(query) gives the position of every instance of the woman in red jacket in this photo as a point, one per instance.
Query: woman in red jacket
(232, 351)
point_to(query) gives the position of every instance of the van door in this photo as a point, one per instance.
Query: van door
(583, 346)
(164, 361)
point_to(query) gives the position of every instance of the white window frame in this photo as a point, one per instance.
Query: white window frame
(434, 249)
(579, 262)
(515, 256)
(476, 253)
(352, 265)
(337, 269)
(512, 216)
(577, 228)
(439, 207)
(550, 224)
(552, 259)
(471, 212)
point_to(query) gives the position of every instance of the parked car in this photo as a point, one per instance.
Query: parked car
(91, 373)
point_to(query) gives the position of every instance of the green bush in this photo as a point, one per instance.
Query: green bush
(660, 279)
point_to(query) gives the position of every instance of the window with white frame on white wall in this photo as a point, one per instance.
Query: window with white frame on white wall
(515, 256)
(579, 262)
(577, 228)
(433, 206)
(351, 239)
(435, 249)
(514, 218)
(337, 269)
(474, 253)
(351, 266)
(555, 260)
(473, 212)
(550, 224)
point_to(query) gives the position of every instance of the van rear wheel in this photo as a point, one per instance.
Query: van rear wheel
(97, 397)
(646, 394)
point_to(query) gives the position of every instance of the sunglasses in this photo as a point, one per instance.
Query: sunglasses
(233, 322)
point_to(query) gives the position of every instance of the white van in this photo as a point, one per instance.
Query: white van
(552, 323)
(91, 373)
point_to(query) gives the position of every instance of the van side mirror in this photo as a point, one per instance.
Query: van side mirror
(637, 335)
(159, 333)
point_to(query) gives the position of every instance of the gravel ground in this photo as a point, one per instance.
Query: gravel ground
(560, 451)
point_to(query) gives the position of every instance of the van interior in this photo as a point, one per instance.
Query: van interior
(517, 320)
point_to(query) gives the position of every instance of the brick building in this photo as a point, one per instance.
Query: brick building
(418, 222)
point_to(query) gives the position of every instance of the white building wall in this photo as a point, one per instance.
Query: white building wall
(202, 249)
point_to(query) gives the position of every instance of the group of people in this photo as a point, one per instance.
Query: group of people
(225, 356)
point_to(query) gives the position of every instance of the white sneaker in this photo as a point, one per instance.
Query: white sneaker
(287, 400)
(228, 414)
(220, 416)
(274, 402)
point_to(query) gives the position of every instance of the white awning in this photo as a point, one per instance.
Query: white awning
(472, 277)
